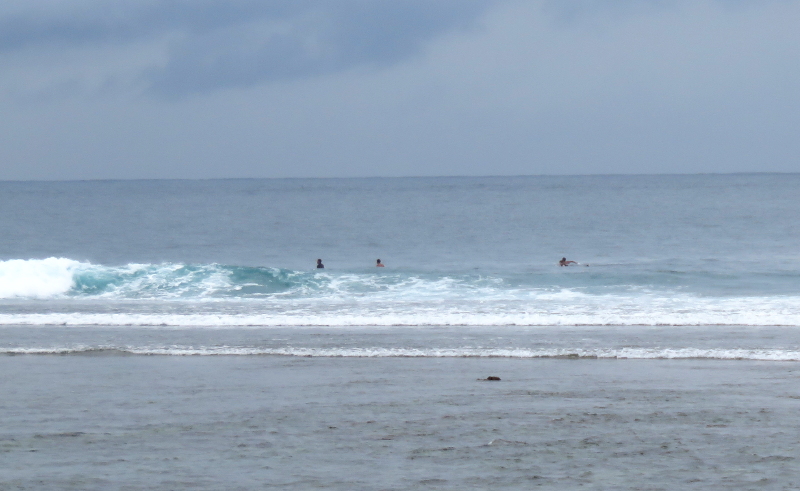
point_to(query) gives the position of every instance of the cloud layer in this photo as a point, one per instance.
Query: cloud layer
(243, 88)
(217, 44)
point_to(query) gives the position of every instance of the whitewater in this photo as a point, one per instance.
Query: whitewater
(62, 291)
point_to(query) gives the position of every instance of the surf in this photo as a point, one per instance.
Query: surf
(64, 291)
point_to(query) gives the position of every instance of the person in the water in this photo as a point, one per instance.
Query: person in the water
(564, 262)
(319, 264)
(379, 265)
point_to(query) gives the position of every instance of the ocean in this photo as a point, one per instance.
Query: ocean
(177, 334)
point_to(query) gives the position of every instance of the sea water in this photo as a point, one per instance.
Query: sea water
(672, 273)
(651, 250)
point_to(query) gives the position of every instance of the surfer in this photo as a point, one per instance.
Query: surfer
(379, 265)
(319, 264)
(564, 262)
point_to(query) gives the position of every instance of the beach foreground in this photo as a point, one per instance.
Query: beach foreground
(104, 420)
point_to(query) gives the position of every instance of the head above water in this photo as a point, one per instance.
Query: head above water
(379, 261)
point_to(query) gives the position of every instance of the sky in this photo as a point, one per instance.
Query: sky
(196, 89)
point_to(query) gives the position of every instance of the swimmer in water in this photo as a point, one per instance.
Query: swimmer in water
(319, 264)
(564, 262)
(379, 265)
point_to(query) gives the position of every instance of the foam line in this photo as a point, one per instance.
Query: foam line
(376, 352)
(345, 319)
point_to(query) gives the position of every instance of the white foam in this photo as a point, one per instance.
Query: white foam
(346, 318)
(165, 281)
(377, 352)
(37, 278)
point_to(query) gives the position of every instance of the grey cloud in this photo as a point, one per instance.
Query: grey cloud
(108, 22)
(323, 37)
(569, 11)
(239, 43)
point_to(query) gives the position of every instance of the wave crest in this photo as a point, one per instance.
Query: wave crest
(56, 277)
(38, 278)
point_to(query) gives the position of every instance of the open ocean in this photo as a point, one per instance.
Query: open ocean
(685, 302)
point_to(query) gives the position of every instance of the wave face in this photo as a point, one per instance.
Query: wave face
(175, 294)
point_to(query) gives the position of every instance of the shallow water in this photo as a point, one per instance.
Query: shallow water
(131, 422)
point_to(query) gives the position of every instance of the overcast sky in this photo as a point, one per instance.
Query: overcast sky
(98, 89)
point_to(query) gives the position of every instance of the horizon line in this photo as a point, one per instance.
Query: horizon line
(396, 177)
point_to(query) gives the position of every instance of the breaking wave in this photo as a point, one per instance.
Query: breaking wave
(62, 277)
(59, 278)
(62, 291)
